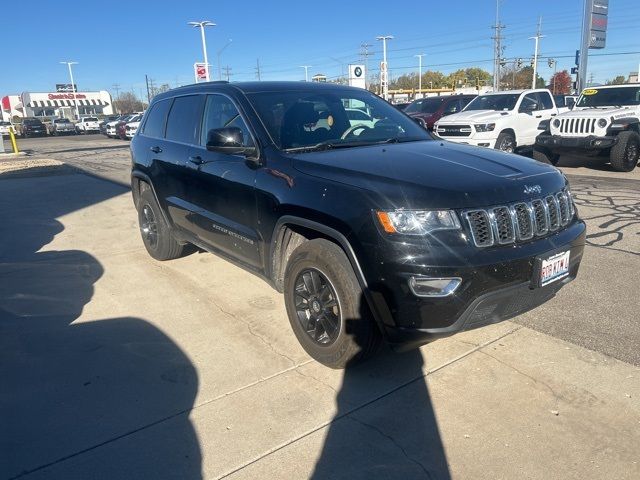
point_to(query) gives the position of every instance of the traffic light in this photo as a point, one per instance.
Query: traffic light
(519, 63)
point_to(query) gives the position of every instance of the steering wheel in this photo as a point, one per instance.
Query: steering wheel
(349, 131)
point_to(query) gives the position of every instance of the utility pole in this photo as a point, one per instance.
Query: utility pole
(497, 48)
(365, 54)
(306, 71)
(116, 87)
(590, 79)
(384, 68)
(535, 55)
(220, 53)
(420, 71)
(258, 69)
(227, 71)
(146, 79)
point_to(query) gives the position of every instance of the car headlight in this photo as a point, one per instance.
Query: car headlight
(602, 122)
(485, 127)
(556, 122)
(417, 222)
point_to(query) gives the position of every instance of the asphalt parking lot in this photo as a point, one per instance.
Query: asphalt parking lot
(117, 366)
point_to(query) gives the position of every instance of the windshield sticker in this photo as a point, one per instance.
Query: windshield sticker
(590, 91)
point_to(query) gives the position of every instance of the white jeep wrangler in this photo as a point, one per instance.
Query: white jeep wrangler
(604, 122)
(502, 120)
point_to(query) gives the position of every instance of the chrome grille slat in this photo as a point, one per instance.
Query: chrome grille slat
(521, 221)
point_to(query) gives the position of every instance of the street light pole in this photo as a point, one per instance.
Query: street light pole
(73, 87)
(306, 71)
(201, 25)
(219, 53)
(384, 71)
(420, 71)
(535, 55)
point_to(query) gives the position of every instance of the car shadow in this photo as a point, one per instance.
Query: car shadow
(385, 425)
(106, 398)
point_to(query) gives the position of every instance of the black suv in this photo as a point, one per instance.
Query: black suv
(32, 127)
(371, 230)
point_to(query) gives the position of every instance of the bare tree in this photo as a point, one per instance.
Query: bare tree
(127, 102)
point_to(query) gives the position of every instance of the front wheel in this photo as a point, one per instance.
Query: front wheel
(506, 142)
(626, 152)
(326, 307)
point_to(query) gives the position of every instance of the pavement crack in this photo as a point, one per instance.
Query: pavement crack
(556, 397)
(392, 440)
(252, 332)
(316, 379)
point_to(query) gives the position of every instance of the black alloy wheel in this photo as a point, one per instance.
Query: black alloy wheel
(317, 306)
(149, 226)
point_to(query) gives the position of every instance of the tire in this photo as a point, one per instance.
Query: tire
(319, 283)
(156, 236)
(625, 153)
(506, 142)
(545, 156)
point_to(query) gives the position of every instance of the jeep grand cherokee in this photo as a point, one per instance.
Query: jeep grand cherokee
(372, 231)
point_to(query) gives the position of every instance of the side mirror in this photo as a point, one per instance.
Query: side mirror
(229, 140)
(419, 121)
(529, 107)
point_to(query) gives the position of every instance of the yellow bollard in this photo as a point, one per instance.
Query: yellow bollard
(12, 137)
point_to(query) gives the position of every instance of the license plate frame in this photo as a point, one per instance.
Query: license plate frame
(551, 268)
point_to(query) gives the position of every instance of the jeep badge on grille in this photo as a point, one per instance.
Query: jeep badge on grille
(531, 189)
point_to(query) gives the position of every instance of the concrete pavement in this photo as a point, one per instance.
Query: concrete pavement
(117, 366)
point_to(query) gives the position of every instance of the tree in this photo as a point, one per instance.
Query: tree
(517, 79)
(560, 83)
(127, 102)
(619, 80)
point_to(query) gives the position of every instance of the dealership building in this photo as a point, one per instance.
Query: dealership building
(56, 104)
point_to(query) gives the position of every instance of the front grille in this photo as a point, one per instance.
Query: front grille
(577, 125)
(520, 221)
(454, 130)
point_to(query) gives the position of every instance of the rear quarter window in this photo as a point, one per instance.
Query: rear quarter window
(154, 125)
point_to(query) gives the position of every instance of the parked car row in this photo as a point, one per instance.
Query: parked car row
(123, 127)
(603, 121)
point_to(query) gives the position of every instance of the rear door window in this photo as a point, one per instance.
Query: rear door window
(154, 125)
(184, 119)
(545, 101)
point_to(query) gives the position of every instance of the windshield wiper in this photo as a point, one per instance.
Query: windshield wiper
(330, 145)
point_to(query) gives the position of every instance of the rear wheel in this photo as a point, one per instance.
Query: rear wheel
(326, 307)
(156, 236)
(506, 142)
(626, 152)
(545, 156)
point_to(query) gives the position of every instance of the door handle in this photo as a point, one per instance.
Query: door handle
(538, 116)
(196, 159)
(156, 149)
(553, 114)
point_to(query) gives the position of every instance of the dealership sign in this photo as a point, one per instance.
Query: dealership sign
(357, 76)
(66, 87)
(598, 24)
(200, 70)
(65, 96)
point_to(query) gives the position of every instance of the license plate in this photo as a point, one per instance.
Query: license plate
(554, 268)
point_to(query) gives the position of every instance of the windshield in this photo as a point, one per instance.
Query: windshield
(32, 122)
(505, 101)
(61, 120)
(424, 105)
(609, 97)
(307, 120)
(91, 119)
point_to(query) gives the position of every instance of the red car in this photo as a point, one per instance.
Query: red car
(432, 109)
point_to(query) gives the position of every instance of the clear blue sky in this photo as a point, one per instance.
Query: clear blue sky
(121, 42)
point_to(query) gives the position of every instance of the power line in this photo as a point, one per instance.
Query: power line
(227, 72)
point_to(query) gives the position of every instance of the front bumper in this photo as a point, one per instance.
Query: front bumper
(476, 141)
(497, 284)
(557, 143)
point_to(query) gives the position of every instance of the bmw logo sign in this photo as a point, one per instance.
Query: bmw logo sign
(357, 71)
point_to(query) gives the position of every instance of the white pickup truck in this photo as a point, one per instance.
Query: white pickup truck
(88, 124)
(503, 120)
(605, 122)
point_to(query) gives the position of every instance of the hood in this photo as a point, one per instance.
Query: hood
(432, 174)
(475, 116)
(607, 112)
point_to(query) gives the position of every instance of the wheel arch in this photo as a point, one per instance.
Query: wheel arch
(138, 182)
(289, 229)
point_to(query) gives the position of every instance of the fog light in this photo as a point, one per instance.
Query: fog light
(434, 287)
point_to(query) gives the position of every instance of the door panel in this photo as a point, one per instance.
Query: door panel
(220, 197)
